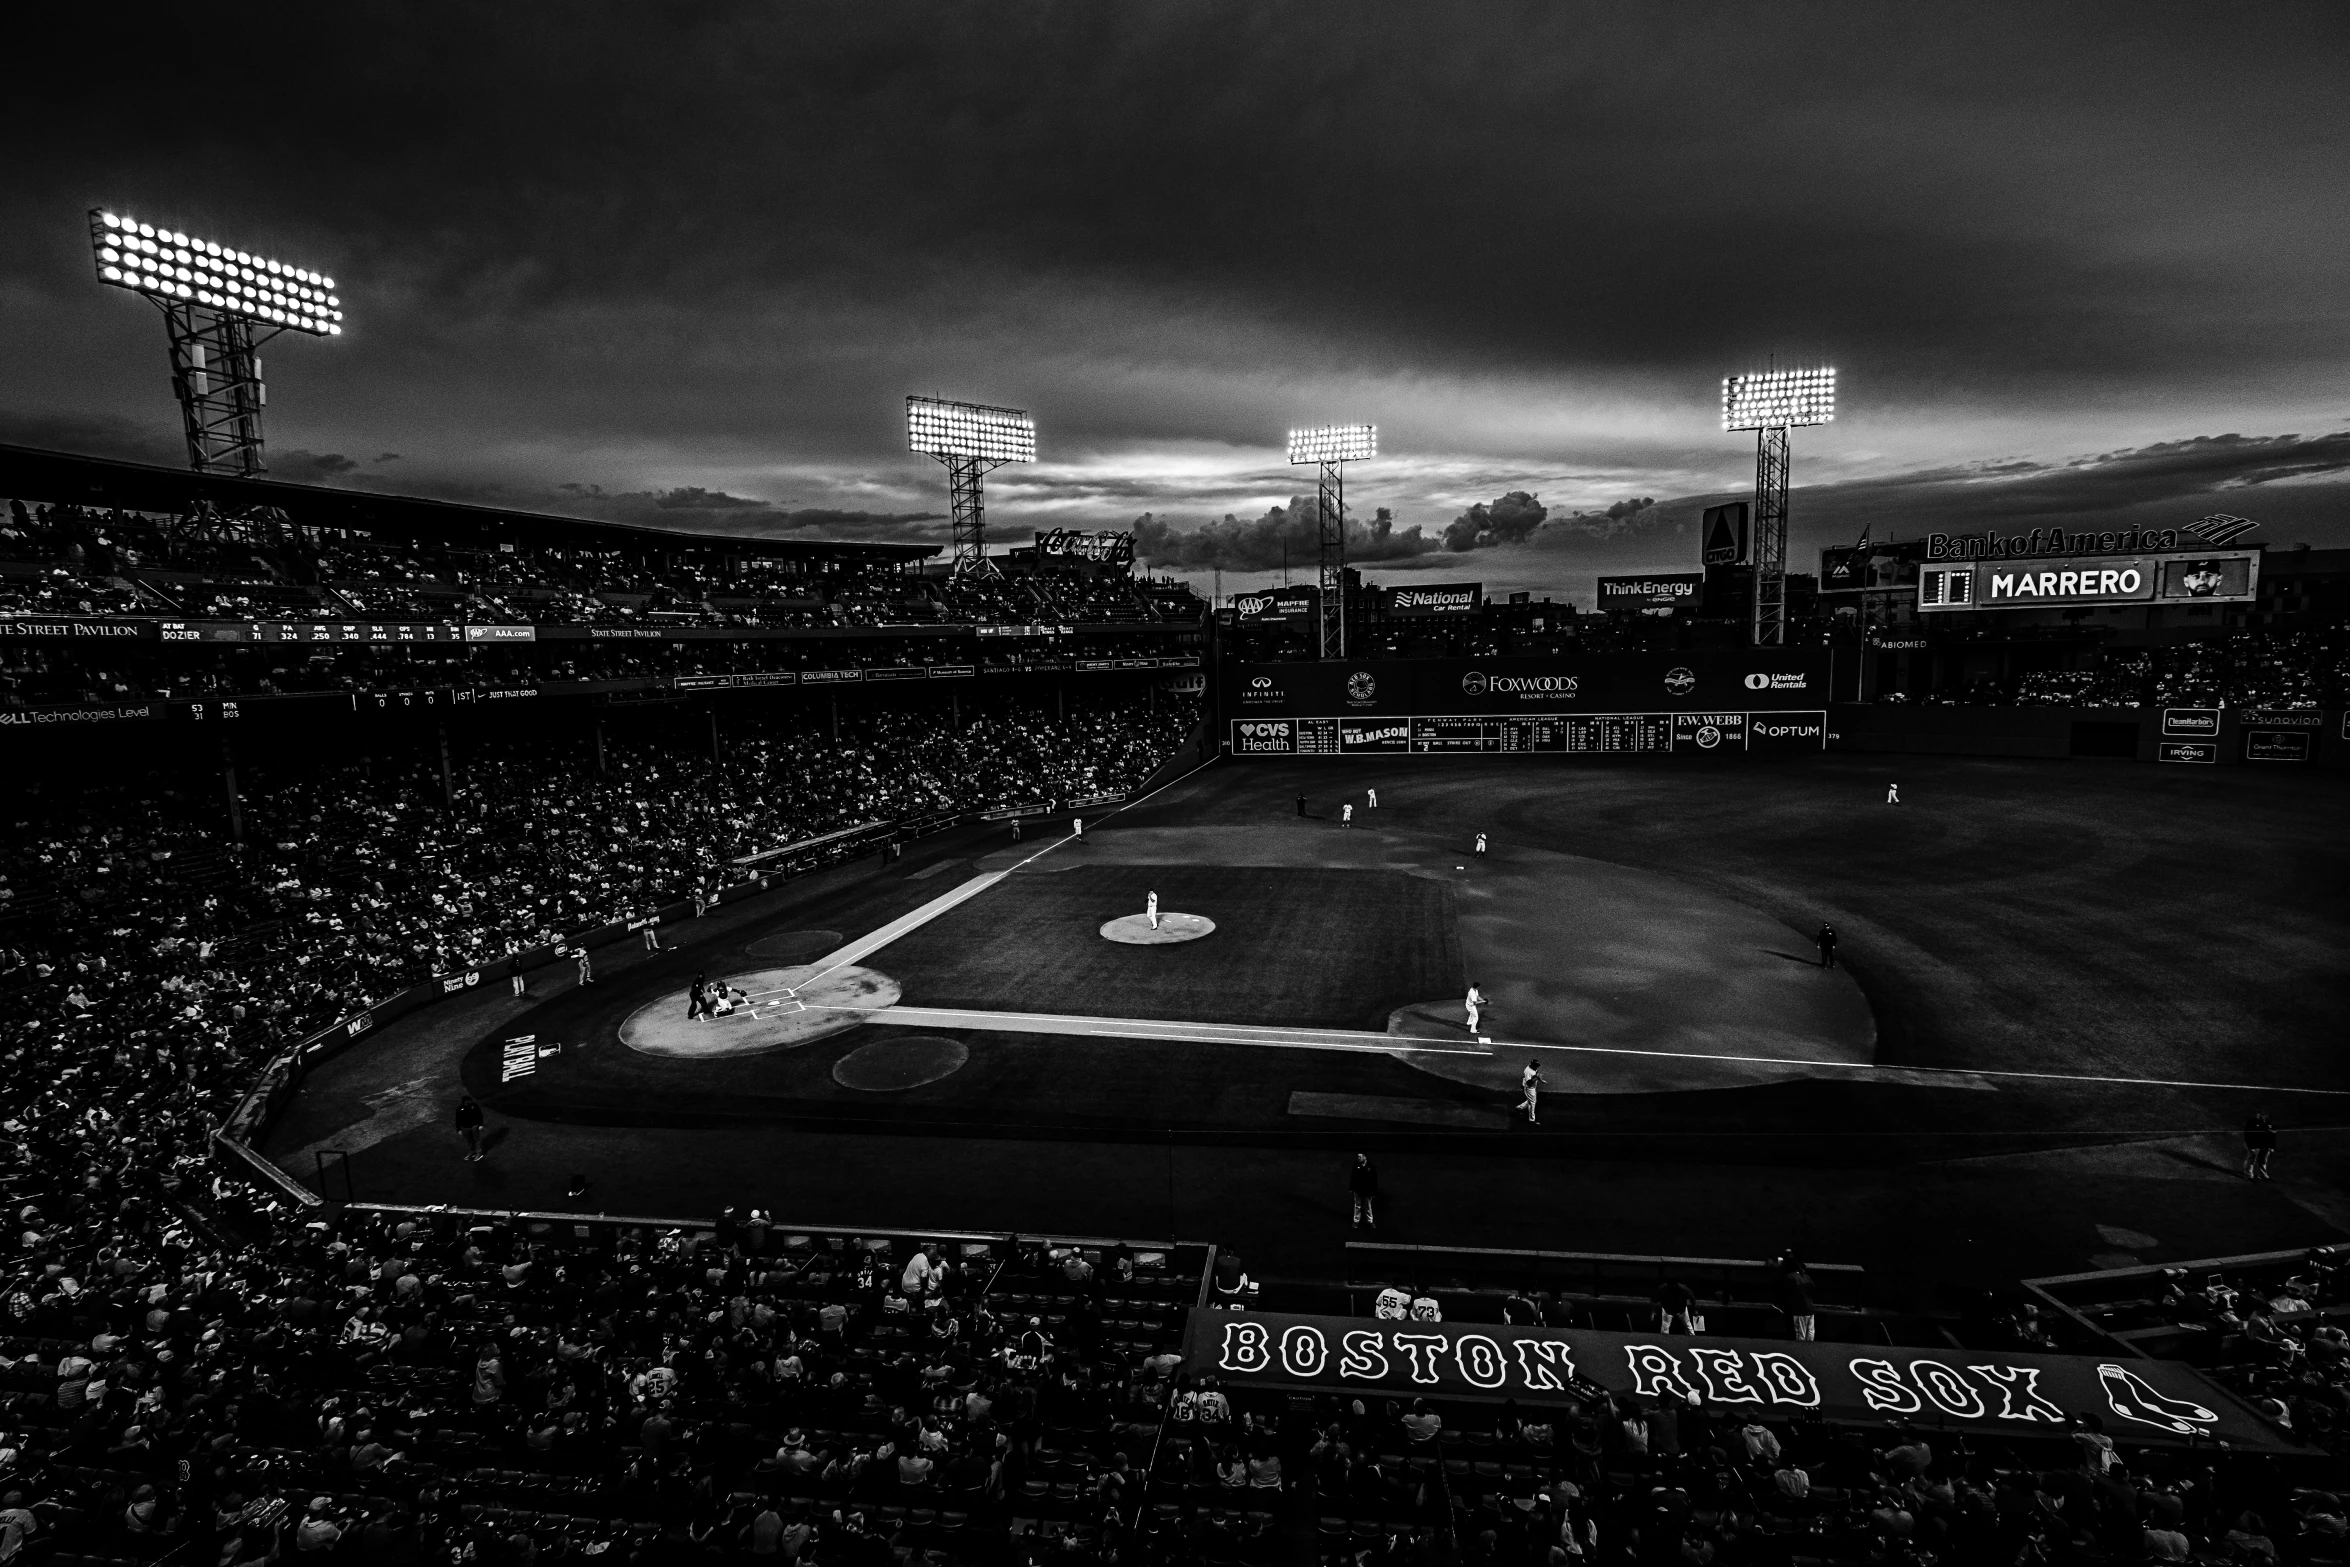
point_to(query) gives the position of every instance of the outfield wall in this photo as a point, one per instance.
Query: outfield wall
(2180, 736)
(1697, 703)
(1715, 702)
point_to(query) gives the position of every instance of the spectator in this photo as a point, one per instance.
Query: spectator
(1362, 1184)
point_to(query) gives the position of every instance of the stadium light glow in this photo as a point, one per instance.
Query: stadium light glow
(1334, 443)
(940, 428)
(1778, 399)
(165, 264)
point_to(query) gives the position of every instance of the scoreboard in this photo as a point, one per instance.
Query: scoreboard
(1550, 733)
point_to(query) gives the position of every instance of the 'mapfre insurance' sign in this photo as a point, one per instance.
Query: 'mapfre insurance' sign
(2145, 1400)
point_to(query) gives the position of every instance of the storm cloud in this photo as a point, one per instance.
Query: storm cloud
(707, 251)
(1285, 536)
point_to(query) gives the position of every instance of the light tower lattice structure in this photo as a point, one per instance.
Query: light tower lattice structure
(1330, 448)
(972, 439)
(219, 304)
(1771, 403)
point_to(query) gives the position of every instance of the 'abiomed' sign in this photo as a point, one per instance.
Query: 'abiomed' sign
(2144, 1400)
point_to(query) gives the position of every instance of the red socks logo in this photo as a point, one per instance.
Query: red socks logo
(2132, 1398)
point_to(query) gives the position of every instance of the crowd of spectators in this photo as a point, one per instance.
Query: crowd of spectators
(60, 559)
(2273, 670)
(2270, 1327)
(39, 673)
(358, 879)
(413, 1388)
(170, 1378)
(1606, 1478)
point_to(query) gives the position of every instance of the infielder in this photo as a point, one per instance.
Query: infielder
(1531, 1081)
(1475, 1002)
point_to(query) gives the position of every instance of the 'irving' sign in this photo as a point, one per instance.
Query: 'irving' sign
(2145, 1400)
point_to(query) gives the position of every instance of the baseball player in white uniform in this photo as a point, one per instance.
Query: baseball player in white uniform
(1150, 908)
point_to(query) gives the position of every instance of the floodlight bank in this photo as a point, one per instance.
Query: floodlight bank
(165, 264)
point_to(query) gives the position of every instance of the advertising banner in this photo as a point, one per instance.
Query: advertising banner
(1650, 595)
(765, 677)
(1435, 598)
(1723, 533)
(2187, 751)
(2190, 720)
(70, 628)
(1334, 689)
(1725, 681)
(1302, 602)
(1099, 548)
(2277, 745)
(2001, 1391)
(1861, 568)
(1624, 683)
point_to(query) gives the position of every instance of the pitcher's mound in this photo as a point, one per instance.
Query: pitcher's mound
(1135, 929)
(888, 1065)
(787, 1007)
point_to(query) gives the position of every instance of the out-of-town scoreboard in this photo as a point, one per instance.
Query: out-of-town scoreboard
(1709, 703)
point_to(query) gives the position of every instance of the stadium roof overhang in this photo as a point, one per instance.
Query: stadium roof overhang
(35, 475)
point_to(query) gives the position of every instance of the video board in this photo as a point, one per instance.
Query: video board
(2220, 577)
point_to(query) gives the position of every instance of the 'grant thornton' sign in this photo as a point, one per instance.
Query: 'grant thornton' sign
(2143, 1400)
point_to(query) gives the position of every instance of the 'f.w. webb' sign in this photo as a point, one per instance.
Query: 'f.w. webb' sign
(2141, 1399)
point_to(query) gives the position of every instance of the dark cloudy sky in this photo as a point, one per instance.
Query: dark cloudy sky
(2073, 261)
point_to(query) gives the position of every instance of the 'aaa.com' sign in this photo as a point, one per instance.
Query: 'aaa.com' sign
(2146, 1400)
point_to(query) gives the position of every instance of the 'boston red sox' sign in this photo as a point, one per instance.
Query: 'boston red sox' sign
(2145, 1400)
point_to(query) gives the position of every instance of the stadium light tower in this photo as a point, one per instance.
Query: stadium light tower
(1330, 448)
(214, 298)
(971, 439)
(1770, 404)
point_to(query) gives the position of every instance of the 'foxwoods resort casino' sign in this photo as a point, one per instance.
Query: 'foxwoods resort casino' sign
(2143, 1400)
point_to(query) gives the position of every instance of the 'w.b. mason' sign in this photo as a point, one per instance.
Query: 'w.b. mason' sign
(2144, 1400)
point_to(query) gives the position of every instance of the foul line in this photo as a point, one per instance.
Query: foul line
(866, 945)
(1366, 1043)
(1359, 1041)
(1940, 1071)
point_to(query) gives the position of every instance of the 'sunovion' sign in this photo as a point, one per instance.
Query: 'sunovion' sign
(1991, 1390)
(2051, 541)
